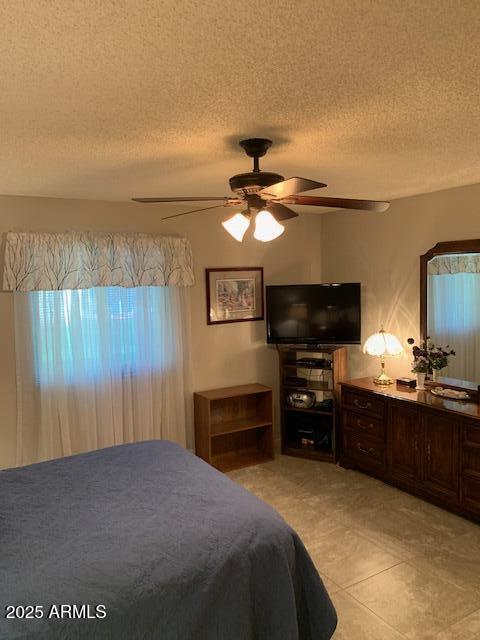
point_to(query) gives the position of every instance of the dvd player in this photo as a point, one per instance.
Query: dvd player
(314, 363)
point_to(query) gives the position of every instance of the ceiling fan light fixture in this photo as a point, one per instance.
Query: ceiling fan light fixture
(237, 226)
(266, 227)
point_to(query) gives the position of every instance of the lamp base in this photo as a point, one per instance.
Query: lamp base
(383, 379)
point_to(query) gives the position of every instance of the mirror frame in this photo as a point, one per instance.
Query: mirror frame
(440, 249)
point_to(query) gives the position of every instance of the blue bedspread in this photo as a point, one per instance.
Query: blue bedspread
(171, 548)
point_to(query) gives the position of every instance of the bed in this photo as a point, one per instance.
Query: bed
(145, 541)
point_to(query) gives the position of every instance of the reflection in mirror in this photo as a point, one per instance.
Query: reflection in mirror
(453, 311)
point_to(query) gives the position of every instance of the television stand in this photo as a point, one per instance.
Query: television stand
(307, 372)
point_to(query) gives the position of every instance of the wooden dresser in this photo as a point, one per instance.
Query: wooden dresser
(417, 441)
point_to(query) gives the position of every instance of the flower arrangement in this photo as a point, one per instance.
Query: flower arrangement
(427, 356)
(439, 357)
(421, 362)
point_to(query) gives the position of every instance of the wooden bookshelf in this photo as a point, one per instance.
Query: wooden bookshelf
(233, 426)
(324, 381)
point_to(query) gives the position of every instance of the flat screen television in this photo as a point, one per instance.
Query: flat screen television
(313, 313)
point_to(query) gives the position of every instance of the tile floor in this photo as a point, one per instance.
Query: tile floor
(395, 566)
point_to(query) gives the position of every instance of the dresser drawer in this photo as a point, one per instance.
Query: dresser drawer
(471, 491)
(471, 451)
(471, 435)
(471, 458)
(364, 424)
(365, 403)
(363, 449)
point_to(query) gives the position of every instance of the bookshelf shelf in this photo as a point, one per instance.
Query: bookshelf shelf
(234, 426)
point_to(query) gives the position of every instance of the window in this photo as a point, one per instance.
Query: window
(105, 332)
(101, 339)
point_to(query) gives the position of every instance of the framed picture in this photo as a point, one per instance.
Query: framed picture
(234, 294)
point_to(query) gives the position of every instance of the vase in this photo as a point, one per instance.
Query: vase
(420, 381)
(436, 374)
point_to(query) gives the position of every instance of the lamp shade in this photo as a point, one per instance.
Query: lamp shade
(266, 227)
(383, 344)
(237, 225)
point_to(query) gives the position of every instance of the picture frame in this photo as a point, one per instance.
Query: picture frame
(234, 294)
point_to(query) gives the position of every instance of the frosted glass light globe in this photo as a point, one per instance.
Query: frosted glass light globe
(237, 226)
(266, 227)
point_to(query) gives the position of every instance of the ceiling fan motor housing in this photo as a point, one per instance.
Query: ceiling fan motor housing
(253, 182)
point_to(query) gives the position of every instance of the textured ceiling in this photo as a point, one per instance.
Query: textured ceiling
(107, 99)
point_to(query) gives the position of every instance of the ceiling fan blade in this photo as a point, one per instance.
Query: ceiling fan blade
(280, 211)
(186, 213)
(290, 187)
(340, 203)
(199, 199)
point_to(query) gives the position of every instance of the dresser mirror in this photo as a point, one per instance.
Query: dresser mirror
(450, 304)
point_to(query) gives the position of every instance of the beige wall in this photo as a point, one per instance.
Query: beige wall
(221, 355)
(379, 250)
(382, 252)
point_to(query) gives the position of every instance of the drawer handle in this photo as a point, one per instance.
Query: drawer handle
(364, 426)
(370, 451)
(358, 404)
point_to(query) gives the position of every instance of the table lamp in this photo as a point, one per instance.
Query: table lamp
(383, 344)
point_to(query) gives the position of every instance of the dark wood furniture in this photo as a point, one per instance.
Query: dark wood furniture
(325, 383)
(419, 442)
(234, 426)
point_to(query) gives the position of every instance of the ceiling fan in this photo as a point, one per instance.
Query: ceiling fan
(265, 195)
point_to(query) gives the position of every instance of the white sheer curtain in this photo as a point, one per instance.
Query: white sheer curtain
(98, 367)
(454, 319)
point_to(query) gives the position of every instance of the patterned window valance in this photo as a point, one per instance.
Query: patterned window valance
(454, 263)
(80, 260)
